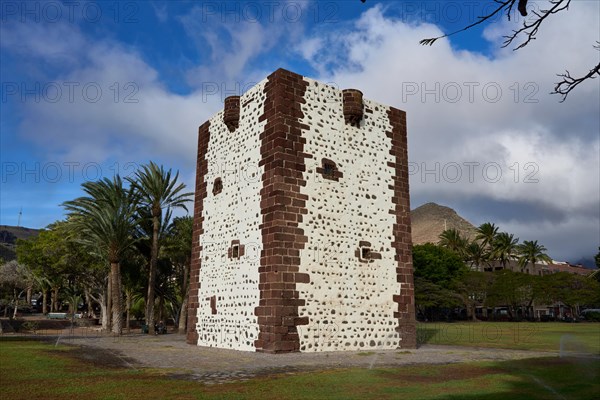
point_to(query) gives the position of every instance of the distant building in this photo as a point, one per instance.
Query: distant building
(539, 311)
(302, 236)
(541, 268)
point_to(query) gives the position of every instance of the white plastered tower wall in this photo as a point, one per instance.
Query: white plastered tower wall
(232, 214)
(349, 303)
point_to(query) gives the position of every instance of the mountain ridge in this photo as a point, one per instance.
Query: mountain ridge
(8, 240)
(431, 219)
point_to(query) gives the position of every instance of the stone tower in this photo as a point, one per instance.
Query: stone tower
(301, 223)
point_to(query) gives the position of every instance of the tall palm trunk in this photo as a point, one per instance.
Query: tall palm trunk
(117, 306)
(185, 291)
(152, 272)
(128, 311)
(108, 303)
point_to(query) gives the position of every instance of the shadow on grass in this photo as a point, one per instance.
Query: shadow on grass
(540, 378)
(16, 339)
(425, 334)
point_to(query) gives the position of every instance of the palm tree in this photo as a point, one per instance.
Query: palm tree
(179, 250)
(486, 233)
(453, 240)
(532, 252)
(158, 192)
(44, 285)
(504, 248)
(105, 220)
(476, 255)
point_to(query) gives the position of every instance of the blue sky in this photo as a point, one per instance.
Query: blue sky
(94, 88)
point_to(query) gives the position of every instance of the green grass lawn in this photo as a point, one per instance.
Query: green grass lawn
(36, 370)
(549, 336)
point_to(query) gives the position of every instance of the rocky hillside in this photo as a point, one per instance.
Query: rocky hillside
(430, 220)
(8, 240)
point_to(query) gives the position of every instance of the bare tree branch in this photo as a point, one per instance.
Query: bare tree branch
(508, 5)
(529, 30)
(534, 26)
(569, 83)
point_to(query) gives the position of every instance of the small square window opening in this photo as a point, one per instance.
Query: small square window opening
(328, 169)
(365, 253)
(217, 186)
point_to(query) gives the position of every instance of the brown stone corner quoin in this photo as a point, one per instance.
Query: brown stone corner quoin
(200, 195)
(282, 207)
(231, 112)
(402, 230)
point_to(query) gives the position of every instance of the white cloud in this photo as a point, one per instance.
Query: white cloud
(236, 37)
(464, 107)
(469, 121)
(108, 102)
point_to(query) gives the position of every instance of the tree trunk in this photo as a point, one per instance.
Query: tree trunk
(55, 291)
(117, 306)
(184, 302)
(53, 300)
(152, 274)
(102, 300)
(29, 293)
(109, 303)
(45, 302)
(128, 308)
(88, 301)
(530, 311)
(161, 308)
(16, 302)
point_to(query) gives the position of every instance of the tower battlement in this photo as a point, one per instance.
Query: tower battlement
(302, 223)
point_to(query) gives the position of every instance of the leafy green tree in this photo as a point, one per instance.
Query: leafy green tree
(511, 289)
(531, 252)
(105, 220)
(45, 256)
(431, 297)
(574, 290)
(437, 264)
(132, 268)
(472, 289)
(14, 281)
(435, 270)
(44, 284)
(158, 192)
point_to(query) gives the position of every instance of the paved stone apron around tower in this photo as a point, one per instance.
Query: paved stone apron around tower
(212, 366)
